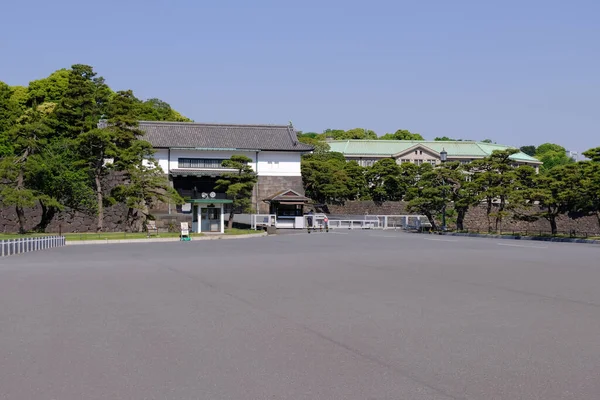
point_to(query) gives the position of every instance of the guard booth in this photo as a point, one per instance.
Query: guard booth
(288, 208)
(208, 215)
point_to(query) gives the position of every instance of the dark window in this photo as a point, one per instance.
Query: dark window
(199, 163)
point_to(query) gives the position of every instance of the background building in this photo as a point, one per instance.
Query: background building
(367, 152)
(191, 154)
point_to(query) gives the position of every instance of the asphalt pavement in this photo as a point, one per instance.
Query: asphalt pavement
(338, 315)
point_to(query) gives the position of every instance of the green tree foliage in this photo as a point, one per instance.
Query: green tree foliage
(20, 96)
(556, 192)
(319, 145)
(238, 185)
(334, 134)
(384, 181)
(589, 199)
(357, 181)
(84, 102)
(50, 89)
(529, 150)
(462, 192)
(119, 141)
(145, 187)
(158, 110)
(552, 155)
(493, 178)
(356, 133)
(9, 112)
(54, 172)
(446, 139)
(28, 136)
(401, 134)
(429, 195)
(53, 152)
(593, 154)
(325, 178)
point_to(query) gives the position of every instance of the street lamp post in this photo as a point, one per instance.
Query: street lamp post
(444, 157)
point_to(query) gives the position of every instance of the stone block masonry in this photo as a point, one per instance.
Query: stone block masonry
(476, 218)
(270, 185)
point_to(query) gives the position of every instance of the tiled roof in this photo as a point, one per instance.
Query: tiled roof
(454, 149)
(221, 136)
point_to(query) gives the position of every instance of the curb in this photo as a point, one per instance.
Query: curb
(533, 238)
(164, 240)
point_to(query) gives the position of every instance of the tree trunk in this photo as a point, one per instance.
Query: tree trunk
(460, 218)
(431, 221)
(552, 219)
(100, 199)
(18, 208)
(22, 220)
(48, 214)
(500, 213)
(598, 218)
(230, 222)
(488, 212)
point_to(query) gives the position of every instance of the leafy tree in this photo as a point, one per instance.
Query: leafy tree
(493, 179)
(401, 134)
(119, 141)
(557, 192)
(358, 133)
(462, 192)
(311, 135)
(446, 139)
(593, 154)
(529, 150)
(27, 136)
(238, 185)
(146, 186)
(384, 181)
(9, 112)
(325, 178)
(429, 196)
(320, 146)
(20, 96)
(49, 89)
(54, 172)
(487, 141)
(158, 110)
(589, 200)
(83, 103)
(335, 134)
(357, 181)
(552, 155)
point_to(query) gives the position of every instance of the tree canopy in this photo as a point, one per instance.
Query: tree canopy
(54, 152)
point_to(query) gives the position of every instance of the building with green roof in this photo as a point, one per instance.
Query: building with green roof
(367, 152)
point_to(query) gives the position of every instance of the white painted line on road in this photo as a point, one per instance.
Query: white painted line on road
(522, 245)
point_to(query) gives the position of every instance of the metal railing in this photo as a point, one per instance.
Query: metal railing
(574, 234)
(263, 220)
(9, 247)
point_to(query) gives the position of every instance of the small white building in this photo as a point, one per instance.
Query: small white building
(191, 154)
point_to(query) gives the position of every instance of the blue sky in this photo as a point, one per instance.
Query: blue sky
(518, 72)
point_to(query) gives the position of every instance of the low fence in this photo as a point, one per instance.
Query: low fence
(534, 232)
(9, 247)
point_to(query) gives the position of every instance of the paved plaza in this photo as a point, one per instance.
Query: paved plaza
(339, 315)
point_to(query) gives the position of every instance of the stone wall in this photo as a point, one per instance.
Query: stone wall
(115, 216)
(70, 221)
(475, 219)
(269, 185)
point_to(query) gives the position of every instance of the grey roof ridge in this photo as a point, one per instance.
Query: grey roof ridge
(214, 124)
